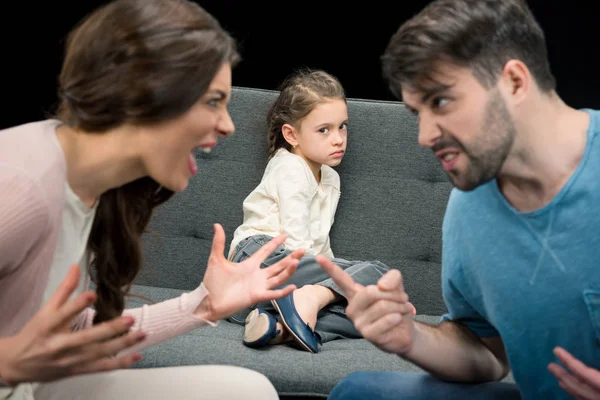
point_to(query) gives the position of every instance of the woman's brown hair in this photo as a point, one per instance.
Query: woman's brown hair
(135, 62)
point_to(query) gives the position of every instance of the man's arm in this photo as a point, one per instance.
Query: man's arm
(451, 352)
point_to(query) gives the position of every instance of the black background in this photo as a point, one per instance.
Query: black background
(277, 36)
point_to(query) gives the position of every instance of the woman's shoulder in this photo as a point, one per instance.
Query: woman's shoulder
(31, 155)
(31, 145)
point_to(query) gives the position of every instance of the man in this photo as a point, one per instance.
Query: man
(521, 234)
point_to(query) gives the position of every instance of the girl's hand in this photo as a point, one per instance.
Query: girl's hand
(46, 349)
(234, 286)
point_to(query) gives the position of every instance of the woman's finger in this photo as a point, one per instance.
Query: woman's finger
(107, 364)
(282, 265)
(282, 278)
(267, 249)
(99, 350)
(69, 310)
(218, 244)
(97, 333)
(276, 294)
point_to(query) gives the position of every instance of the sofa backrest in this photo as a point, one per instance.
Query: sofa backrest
(393, 198)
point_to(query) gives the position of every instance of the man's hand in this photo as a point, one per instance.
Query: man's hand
(579, 380)
(381, 313)
(234, 286)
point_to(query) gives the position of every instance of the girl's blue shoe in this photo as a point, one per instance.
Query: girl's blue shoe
(303, 334)
(260, 328)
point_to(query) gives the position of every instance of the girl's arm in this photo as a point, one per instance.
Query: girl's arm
(295, 192)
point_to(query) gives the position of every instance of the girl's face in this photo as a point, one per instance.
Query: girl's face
(321, 136)
(168, 148)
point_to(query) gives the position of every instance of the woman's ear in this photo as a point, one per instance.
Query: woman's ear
(289, 134)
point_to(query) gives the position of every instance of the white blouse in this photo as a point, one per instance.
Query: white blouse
(289, 200)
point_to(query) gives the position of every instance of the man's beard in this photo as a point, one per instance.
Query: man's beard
(489, 149)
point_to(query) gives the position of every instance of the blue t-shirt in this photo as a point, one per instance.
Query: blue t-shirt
(533, 278)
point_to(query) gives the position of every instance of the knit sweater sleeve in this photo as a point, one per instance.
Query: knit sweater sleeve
(24, 217)
(161, 321)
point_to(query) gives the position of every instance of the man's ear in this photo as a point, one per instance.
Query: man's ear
(289, 134)
(516, 80)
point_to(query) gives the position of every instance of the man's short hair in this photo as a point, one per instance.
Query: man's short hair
(479, 34)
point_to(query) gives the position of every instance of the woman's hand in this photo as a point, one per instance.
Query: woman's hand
(46, 349)
(235, 286)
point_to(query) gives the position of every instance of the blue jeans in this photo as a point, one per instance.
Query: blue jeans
(390, 385)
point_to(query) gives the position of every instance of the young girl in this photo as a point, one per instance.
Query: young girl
(298, 196)
(144, 83)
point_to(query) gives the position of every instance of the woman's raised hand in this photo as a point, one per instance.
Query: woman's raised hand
(234, 286)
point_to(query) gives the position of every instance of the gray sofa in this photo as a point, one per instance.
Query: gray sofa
(391, 209)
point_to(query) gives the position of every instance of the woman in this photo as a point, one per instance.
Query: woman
(144, 83)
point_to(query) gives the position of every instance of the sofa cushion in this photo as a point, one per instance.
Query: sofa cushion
(292, 371)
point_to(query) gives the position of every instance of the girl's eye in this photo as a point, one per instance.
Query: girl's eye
(324, 130)
(344, 126)
(213, 102)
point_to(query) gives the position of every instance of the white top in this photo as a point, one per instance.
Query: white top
(72, 242)
(289, 200)
(160, 321)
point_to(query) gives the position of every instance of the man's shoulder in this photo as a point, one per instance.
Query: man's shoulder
(594, 121)
(461, 200)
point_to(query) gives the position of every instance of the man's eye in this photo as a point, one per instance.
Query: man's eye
(440, 102)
